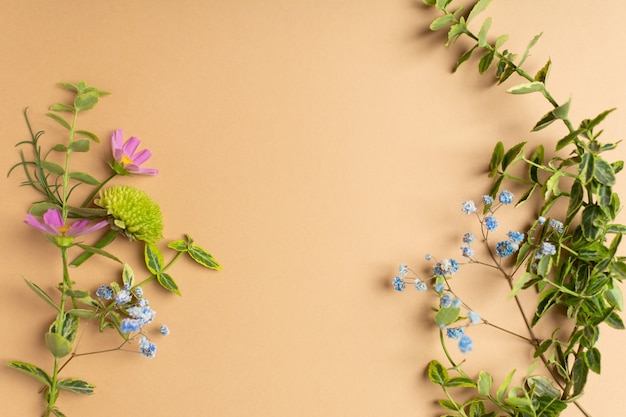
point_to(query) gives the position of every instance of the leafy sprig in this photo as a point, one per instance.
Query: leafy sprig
(581, 273)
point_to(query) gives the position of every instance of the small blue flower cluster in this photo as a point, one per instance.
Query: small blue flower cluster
(131, 302)
(447, 299)
(547, 248)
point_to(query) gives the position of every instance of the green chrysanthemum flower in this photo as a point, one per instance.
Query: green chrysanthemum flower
(134, 213)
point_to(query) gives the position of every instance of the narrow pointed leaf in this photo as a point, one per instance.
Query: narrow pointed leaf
(482, 34)
(81, 145)
(203, 257)
(153, 258)
(76, 385)
(41, 293)
(479, 7)
(84, 178)
(52, 167)
(88, 134)
(526, 88)
(32, 370)
(59, 120)
(168, 283)
(98, 251)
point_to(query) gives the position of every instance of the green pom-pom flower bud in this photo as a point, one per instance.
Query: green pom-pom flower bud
(134, 213)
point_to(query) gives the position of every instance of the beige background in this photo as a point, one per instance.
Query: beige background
(312, 147)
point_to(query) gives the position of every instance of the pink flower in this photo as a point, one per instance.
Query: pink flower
(127, 160)
(53, 224)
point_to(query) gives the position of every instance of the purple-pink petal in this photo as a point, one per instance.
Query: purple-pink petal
(32, 221)
(142, 171)
(141, 157)
(80, 227)
(131, 146)
(117, 139)
(52, 217)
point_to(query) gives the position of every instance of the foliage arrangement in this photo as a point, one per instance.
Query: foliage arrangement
(73, 206)
(567, 253)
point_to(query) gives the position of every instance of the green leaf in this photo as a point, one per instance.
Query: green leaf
(59, 120)
(62, 107)
(593, 359)
(59, 148)
(500, 40)
(543, 73)
(603, 172)
(460, 382)
(32, 370)
(579, 375)
(504, 386)
(80, 145)
(552, 184)
(532, 43)
(537, 158)
(542, 385)
(467, 55)
(88, 134)
(178, 245)
(128, 276)
(82, 313)
(168, 283)
(519, 284)
(513, 155)
(437, 373)
(41, 293)
(68, 86)
(442, 21)
(615, 321)
(76, 385)
(485, 381)
(58, 412)
(153, 258)
(482, 34)
(496, 158)
(562, 111)
(98, 251)
(575, 201)
(591, 215)
(547, 300)
(586, 168)
(447, 315)
(590, 124)
(526, 88)
(570, 137)
(522, 404)
(456, 31)
(615, 297)
(203, 257)
(545, 121)
(52, 167)
(84, 178)
(58, 345)
(485, 62)
(479, 7)
(86, 101)
(449, 405)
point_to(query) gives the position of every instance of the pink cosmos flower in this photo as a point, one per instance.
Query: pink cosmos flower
(127, 159)
(53, 224)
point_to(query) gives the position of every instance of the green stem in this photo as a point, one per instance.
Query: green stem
(66, 285)
(66, 169)
(97, 189)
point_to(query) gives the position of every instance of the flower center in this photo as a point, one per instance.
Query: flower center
(63, 229)
(126, 160)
